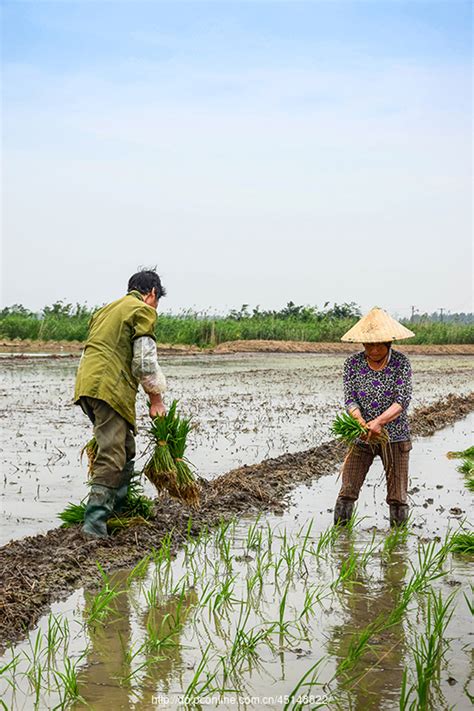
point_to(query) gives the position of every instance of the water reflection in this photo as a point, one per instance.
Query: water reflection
(371, 682)
(137, 652)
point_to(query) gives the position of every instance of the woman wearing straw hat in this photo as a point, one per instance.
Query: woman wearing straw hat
(377, 391)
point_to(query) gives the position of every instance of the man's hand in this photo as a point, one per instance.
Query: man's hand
(157, 407)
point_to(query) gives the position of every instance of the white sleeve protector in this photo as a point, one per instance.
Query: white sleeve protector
(145, 366)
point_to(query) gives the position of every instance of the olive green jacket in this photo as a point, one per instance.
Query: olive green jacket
(105, 370)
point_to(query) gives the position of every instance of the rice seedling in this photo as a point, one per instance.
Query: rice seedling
(462, 542)
(35, 649)
(428, 648)
(156, 641)
(35, 677)
(348, 569)
(225, 532)
(254, 536)
(430, 561)
(67, 682)
(10, 668)
(326, 539)
(225, 546)
(168, 469)
(282, 626)
(405, 693)
(470, 602)
(152, 593)
(288, 553)
(313, 595)
(130, 655)
(246, 642)
(57, 633)
(99, 606)
(162, 557)
(398, 535)
(224, 595)
(197, 688)
(359, 644)
(140, 570)
(297, 698)
(305, 541)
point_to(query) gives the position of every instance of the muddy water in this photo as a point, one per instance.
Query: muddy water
(116, 670)
(246, 408)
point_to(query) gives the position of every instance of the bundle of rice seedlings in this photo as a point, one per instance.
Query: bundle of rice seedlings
(469, 482)
(465, 454)
(466, 467)
(72, 514)
(462, 542)
(186, 485)
(168, 469)
(90, 449)
(137, 506)
(160, 468)
(348, 429)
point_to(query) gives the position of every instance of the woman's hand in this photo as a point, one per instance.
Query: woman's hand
(374, 428)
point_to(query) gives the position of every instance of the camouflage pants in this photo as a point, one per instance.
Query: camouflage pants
(359, 461)
(115, 440)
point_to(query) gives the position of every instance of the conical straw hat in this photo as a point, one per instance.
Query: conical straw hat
(376, 327)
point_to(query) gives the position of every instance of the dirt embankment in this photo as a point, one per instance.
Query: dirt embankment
(39, 569)
(73, 348)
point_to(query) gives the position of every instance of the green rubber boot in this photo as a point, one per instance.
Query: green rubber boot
(121, 497)
(99, 508)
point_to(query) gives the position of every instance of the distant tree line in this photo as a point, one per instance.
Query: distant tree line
(67, 321)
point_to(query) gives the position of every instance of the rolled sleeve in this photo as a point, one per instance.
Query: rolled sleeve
(145, 366)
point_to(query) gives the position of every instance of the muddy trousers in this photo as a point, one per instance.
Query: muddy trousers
(115, 440)
(359, 461)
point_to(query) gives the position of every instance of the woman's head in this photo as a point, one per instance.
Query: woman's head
(377, 351)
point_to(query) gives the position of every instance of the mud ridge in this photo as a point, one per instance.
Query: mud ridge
(38, 570)
(55, 349)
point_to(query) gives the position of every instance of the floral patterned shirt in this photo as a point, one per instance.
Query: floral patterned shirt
(373, 391)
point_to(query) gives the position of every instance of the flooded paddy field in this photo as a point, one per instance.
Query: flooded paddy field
(246, 408)
(275, 611)
(272, 611)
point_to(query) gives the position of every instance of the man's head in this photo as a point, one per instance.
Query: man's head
(148, 283)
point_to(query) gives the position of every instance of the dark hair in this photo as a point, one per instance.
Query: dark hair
(144, 281)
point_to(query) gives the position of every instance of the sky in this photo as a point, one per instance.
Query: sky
(256, 152)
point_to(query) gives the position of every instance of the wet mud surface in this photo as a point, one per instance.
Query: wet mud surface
(37, 570)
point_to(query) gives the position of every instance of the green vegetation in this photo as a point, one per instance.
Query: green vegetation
(69, 322)
(466, 467)
(138, 508)
(462, 542)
